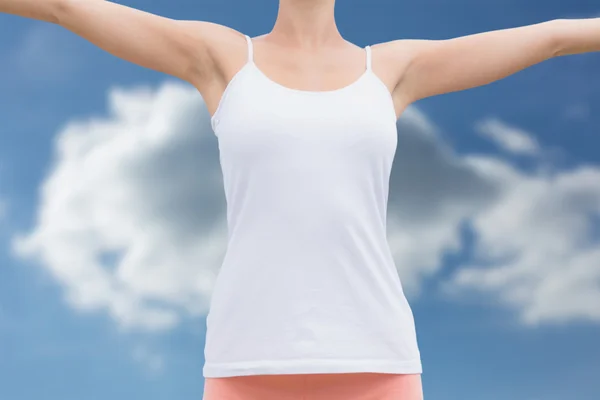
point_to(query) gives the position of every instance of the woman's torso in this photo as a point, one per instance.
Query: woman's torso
(308, 283)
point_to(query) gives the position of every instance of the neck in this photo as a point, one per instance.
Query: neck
(306, 23)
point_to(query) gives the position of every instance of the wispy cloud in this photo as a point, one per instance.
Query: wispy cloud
(509, 138)
(151, 360)
(577, 111)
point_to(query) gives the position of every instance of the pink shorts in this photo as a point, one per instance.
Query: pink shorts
(336, 386)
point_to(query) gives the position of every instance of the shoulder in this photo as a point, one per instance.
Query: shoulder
(400, 53)
(214, 36)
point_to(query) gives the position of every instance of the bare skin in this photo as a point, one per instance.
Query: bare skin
(305, 50)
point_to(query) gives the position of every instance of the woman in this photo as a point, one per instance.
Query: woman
(308, 304)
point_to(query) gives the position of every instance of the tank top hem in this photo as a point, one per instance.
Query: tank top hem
(310, 366)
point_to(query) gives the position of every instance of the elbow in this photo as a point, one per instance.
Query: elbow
(557, 37)
(60, 10)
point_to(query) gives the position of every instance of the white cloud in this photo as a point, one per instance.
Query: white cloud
(131, 219)
(432, 191)
(536, 249)
(509, 138)
(129, 216)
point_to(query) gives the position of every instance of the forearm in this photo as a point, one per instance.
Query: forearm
(576, 36)
(43, 10)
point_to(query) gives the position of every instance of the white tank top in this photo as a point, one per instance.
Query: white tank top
(308, 283)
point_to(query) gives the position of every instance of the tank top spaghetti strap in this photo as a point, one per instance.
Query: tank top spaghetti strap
(308, 283)
(250, 64)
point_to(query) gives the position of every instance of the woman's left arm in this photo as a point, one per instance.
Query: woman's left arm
(432, 67)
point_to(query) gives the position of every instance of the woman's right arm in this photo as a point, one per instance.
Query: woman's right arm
(176, 47)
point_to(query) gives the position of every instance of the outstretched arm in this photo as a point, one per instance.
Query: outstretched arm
(432, 67)
(178, 48)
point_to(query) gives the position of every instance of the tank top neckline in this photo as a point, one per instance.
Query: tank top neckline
(250, 64)
(250, 61)
(303, 91)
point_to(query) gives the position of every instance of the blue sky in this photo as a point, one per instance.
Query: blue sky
(112, 212)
